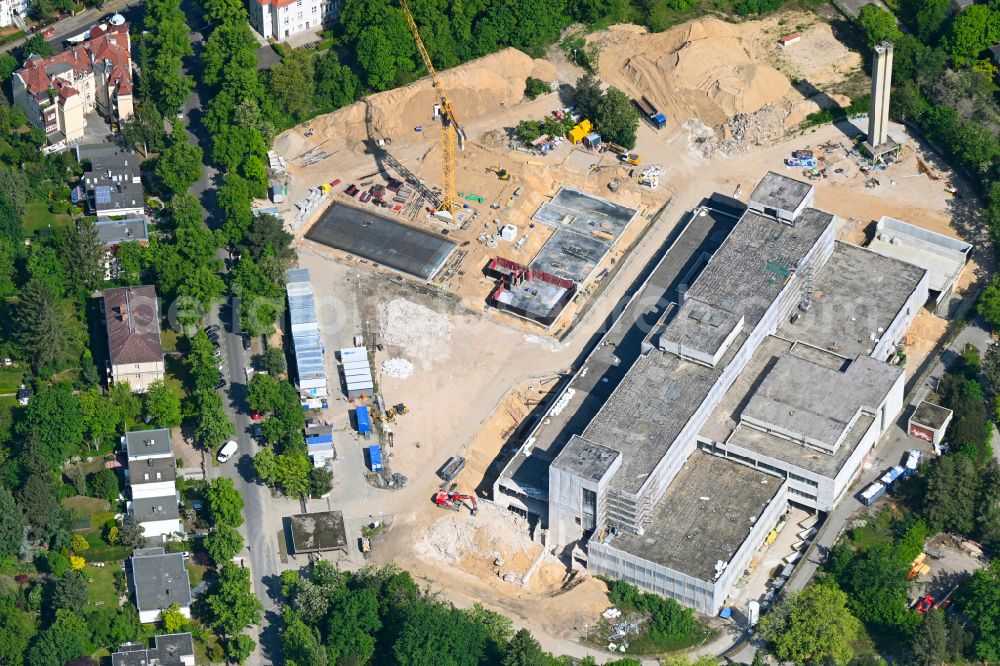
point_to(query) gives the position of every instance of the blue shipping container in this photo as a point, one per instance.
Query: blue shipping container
(375, 457)
(364, 420)
(320, 439)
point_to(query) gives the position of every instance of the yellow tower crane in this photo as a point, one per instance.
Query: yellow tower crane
(451, 133)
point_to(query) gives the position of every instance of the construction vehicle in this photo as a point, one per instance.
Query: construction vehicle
(451, 133)
(455, 501)
(401, 409)
(615, 148)
(501, 173)
(630, 158)
(649, 112)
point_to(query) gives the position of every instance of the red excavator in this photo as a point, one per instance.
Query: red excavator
(455, 501)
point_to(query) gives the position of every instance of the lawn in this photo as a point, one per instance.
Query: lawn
(38, 217)
(101, 583)
(10, 379)
(196, 572)
(86, 507)
(102, 551)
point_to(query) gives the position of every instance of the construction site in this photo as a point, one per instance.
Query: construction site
(484, 322)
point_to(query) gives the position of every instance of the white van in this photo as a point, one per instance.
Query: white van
(227, 451)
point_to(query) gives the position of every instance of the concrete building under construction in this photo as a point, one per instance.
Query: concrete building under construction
(767, 381)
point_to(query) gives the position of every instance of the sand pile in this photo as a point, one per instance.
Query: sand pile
(407, 324)
(399, 368)
(493, 534)
(702, 68)
(477, 88)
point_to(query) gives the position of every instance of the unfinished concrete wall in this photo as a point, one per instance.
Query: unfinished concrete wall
(897, 329)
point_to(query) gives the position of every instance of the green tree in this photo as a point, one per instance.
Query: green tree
(930, 642)
(434, 633)
(47, 328)
(587, 95)
(223, 543)
(172, 619)
(239, 648)
(127, 404)
(82, 254)
(17, 628)
(949, 503)
(70, 592)
(100, 418)
(64, 641)
(53, 424)
(974, 30)
(38, 500)
(233, 606)
(130, 534)
(982, 607)
(11, 524)
(930, 19)
(336, 84)
(213, 426)
(36, 44)
(265, 465)
(878, 24)
(111, 627)
(180, 164)
(104, 485)
(352, 623)
(320, 481)
(617, 119)
(161, 406)
(812, 625)
(300, 645)
(274, 361)
(225, 504)
(292, 84)
(523, 650)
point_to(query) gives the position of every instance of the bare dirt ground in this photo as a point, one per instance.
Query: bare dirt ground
(471, 369)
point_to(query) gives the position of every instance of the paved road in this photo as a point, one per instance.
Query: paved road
(74, 25)
(260, 508)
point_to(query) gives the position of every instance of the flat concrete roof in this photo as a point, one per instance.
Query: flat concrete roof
(705, 516)
(570, 255)
(584, 213)
(661, 392)
(160, 579)
(586, 459)
(535, 297)
(148, 443)
(941, 256)
(700, 326)
(816, 402)
(778, 191)
(856, 295)
(586, 227)
(607, 364)
(382, 240)
(931, 415)
(315, 532)
(151, 470)
(150, 509)
(724, 424)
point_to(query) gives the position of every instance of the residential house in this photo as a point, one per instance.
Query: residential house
(58, 92)
(160, 580)
(11, 12)
(133, 325)
(281, 19)
(111, 190)
(167, 650)
(152, 474)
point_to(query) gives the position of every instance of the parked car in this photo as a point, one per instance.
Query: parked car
(246, 342)
(212, 328)
(227, 451)
(925, 604)
(221, 384)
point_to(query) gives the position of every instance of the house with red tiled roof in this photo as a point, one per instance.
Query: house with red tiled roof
(135, 354)
(280, 19)
(57, 92)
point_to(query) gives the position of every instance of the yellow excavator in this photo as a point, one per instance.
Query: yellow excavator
(501, 173)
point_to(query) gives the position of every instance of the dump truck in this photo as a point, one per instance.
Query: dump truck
(649, 112)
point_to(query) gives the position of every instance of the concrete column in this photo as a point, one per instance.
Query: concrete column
(878, 116)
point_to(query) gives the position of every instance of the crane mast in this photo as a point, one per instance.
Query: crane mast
(451, 133)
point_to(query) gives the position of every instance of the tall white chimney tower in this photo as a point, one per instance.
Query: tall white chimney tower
(878, 116)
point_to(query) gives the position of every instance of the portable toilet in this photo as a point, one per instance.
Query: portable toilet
(375, 458)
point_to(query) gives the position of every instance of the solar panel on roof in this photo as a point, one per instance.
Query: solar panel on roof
(102, 194)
